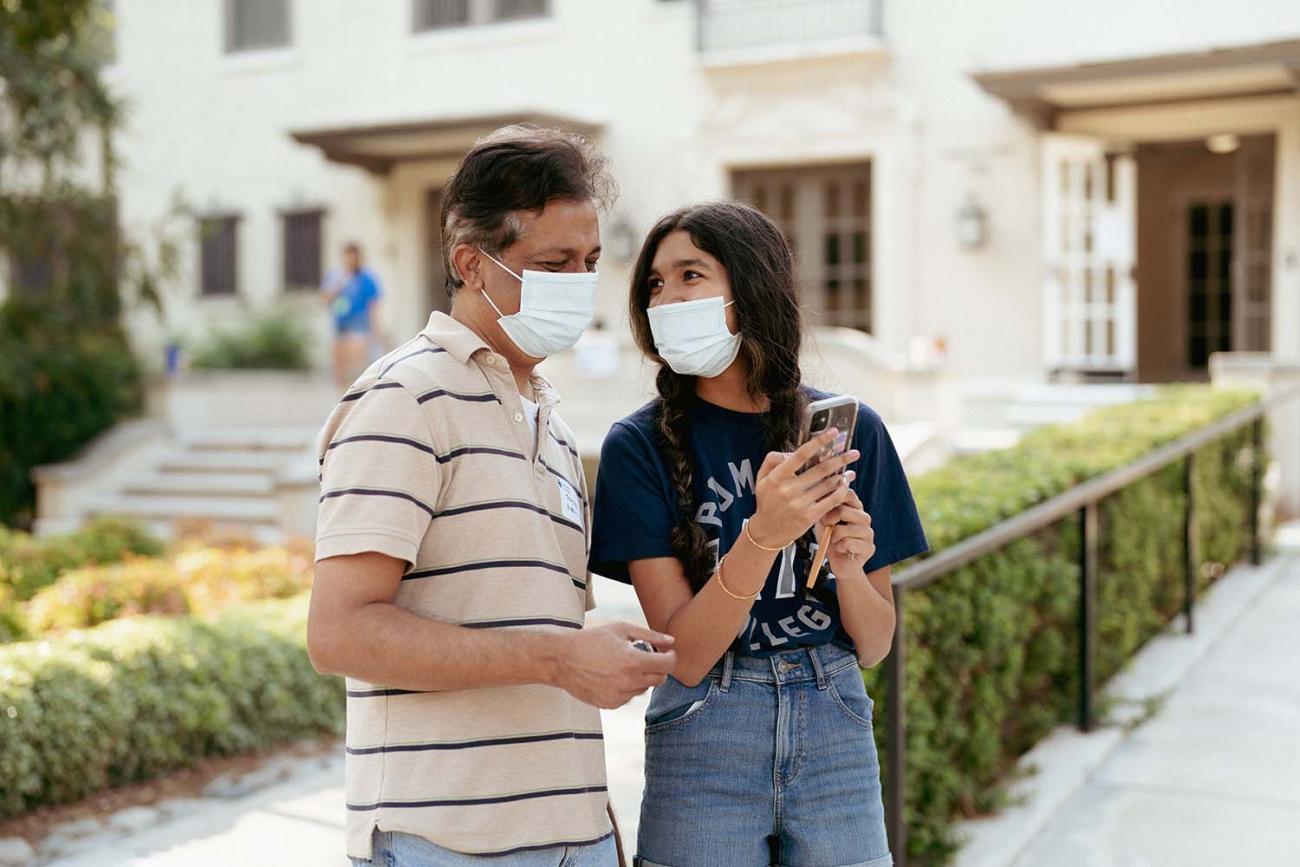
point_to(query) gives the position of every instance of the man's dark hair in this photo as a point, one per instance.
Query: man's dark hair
(518, 168)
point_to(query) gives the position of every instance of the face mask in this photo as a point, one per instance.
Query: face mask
(554, 310)
(692, 336)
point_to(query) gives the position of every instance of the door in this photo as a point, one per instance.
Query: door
(1089, 251)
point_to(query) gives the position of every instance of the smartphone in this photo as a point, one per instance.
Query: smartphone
(837, 412)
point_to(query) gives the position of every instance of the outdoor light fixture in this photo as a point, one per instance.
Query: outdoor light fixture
(972, 224)
(621, 237)
(1223, 143)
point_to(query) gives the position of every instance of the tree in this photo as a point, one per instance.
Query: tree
(58, 226)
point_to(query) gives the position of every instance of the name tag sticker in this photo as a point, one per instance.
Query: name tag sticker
(570, 505)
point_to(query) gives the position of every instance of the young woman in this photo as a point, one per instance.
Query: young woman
(759, 748)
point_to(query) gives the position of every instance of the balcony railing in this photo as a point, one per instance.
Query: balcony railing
(732, 25)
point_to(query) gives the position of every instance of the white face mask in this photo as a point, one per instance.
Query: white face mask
(692, 336)
(554, 309)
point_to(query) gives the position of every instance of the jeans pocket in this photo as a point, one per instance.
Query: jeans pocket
(850, 695)
(674, 704)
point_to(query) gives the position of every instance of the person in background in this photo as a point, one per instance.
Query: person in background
(352, 294)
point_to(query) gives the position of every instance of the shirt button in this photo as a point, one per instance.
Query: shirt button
(491, 360)
(519, 416)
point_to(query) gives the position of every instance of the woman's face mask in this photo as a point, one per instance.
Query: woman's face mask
(554, 309)
(693, 337)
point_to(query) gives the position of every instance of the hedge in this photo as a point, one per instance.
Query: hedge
(60, 384)
(991, 659)
(196, 579)
(133, 699)
(29, 563)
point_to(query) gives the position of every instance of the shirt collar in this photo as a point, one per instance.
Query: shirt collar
(462, 344)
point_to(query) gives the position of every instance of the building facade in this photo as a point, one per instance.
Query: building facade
(1104, 191)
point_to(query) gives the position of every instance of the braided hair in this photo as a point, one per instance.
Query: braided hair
(760, 270)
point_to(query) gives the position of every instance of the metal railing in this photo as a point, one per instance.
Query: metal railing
(1082, 501)
(727, 25)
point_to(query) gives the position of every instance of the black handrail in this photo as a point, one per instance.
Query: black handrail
(1083, 500)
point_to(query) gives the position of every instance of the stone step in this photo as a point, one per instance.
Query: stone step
(225, 510)
(201, 484)
(219, 461)
(235, 438)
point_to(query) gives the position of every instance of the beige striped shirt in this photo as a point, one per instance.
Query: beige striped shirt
(429, 459)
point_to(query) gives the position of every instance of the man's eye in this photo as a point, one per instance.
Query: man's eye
(591, 266)
(553, 266)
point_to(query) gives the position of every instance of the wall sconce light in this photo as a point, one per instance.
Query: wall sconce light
(621, 239)
(972, 224)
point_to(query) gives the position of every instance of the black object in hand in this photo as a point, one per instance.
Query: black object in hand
(642, 644)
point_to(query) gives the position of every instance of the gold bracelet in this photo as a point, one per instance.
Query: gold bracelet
(718, 574)
(756, 544)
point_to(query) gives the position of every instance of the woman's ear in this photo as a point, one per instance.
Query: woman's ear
(467, 260)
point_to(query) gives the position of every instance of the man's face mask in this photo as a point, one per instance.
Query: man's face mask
(554, 309)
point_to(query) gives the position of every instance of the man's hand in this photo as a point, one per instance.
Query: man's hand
(599, 665)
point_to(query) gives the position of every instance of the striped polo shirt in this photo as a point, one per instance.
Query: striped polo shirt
(428, 458)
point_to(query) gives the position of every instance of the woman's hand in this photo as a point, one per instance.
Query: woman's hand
(789, 502)
(854, 541)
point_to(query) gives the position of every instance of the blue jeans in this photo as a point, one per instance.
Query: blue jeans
(395, 849)
(767, 761)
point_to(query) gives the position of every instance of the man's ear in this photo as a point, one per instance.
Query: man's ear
(467, 261)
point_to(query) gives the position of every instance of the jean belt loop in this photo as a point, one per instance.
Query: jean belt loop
(727, 660)
(817, 667)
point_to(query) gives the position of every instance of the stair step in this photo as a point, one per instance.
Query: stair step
(236, 510)
(297, 438)
(217, 461)
(201, 484)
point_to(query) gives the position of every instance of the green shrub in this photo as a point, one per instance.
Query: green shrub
(60, 385)
(991, 648)
(273, 341)
(196, 579)
(28, 563)
(133, 699)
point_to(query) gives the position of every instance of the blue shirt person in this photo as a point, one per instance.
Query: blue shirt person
(352, 294)
(635, 509)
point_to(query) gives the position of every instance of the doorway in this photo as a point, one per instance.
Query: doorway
(1204, 253)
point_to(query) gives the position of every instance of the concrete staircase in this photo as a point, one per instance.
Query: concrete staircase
(222, 477)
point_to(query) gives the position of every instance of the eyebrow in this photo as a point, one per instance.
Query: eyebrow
(566, 252)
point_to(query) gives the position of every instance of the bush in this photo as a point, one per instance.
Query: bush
(199, 580)
(60, 385)
(28, 563)
(275, 341)
(991, 648)
(134, 699)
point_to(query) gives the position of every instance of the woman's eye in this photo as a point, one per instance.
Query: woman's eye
(692, 275)
(655, 284)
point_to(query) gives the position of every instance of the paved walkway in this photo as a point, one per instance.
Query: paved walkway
(1210, 779)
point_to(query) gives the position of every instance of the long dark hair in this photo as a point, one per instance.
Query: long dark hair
(761, 272)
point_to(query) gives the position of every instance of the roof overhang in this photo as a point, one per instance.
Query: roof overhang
(377, 148)
(1044, 94)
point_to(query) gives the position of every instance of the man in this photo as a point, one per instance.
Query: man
(451, 583)
(352, 295)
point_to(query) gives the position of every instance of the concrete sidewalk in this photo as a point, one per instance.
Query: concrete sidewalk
(1209, 775)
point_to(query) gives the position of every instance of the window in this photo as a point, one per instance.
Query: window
(218, 255)
(254, 24)
(825, 215)
(439, 14)
(1209, 280)
(302, 249)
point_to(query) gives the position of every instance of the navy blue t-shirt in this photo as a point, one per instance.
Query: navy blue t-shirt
(635, 510)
